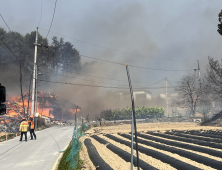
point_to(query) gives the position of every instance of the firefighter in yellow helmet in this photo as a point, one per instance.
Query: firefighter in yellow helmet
(24, 127)
(32, 127)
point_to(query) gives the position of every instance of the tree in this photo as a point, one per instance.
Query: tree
(213, 78)
(188, 93)
(59, 56)
(220, 25)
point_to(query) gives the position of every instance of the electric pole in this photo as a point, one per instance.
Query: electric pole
(36, 88)
(34, 74)
(198, 72)
(199, 78)
(133, 123)
(166, 99)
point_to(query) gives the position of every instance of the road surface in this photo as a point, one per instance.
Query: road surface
(40, 154)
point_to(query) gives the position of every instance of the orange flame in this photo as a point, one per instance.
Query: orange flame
(73, 111)
(15, 107)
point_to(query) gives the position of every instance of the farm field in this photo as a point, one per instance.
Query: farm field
(165, 146)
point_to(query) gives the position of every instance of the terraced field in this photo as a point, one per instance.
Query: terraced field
(169, 149)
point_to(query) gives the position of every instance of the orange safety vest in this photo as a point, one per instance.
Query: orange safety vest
(24, 126)
(32, 124)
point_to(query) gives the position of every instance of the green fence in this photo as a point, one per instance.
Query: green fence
(73, 156)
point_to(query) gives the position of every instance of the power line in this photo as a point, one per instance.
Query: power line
(12, 53)
(171, 83)
(132, 65)
(124, 64)
(104, 82)
(9, 49)
(87, 85)
(150, 83)
(84, 79)
(52, 19)
(5, 22)
(97, 77)
(41, 14)
(135, 55)
(109, 78)
(158, 69)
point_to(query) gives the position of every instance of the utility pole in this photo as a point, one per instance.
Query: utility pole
(198, 72)
(198, 76)
(34, 74)
(166, 99)
(133, 123)
(36, 80)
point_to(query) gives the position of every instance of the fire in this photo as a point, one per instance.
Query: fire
(46, 106)
(72, 110)
(15, 106)
(46, 112)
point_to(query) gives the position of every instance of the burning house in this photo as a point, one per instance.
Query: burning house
(48, 106)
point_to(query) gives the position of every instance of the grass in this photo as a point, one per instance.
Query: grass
(64, 165)
(9, 136)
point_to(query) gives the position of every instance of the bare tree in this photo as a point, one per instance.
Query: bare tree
(188, 93)
(213, 85)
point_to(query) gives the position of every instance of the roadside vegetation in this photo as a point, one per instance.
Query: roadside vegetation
(141, 112)
(9, 136)
(63, 164)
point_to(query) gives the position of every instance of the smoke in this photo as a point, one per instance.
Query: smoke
(126, 32)
(184, 31)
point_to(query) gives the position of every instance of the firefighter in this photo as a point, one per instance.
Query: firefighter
(32, 127)
(23, 129)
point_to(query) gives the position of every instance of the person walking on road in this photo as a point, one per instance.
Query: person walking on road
(23, 129)
(32, 127)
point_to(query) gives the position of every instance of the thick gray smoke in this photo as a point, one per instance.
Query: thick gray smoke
(124, 34)
(184, 31)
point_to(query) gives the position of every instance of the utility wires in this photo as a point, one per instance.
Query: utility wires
(135, 55)
(88, 85)
(52, 19)
(41, 14)
(5, 23)
(9, 49)
(122, 64)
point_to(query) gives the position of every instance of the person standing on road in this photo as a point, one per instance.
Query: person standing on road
(32, 127)
(23, 129)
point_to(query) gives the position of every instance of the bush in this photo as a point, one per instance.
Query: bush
(141, 113)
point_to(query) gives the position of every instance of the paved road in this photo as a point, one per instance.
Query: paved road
(40, 154)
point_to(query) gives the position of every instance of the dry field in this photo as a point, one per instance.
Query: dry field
(165, 146)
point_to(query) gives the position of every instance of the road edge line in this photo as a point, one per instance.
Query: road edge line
(56, 162)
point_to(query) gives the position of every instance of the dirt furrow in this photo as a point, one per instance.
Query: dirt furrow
(163, 126)
(199, 153)
(88, 165)
(111, 158)
(176, 156)
(185, 142)
(150, 160)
